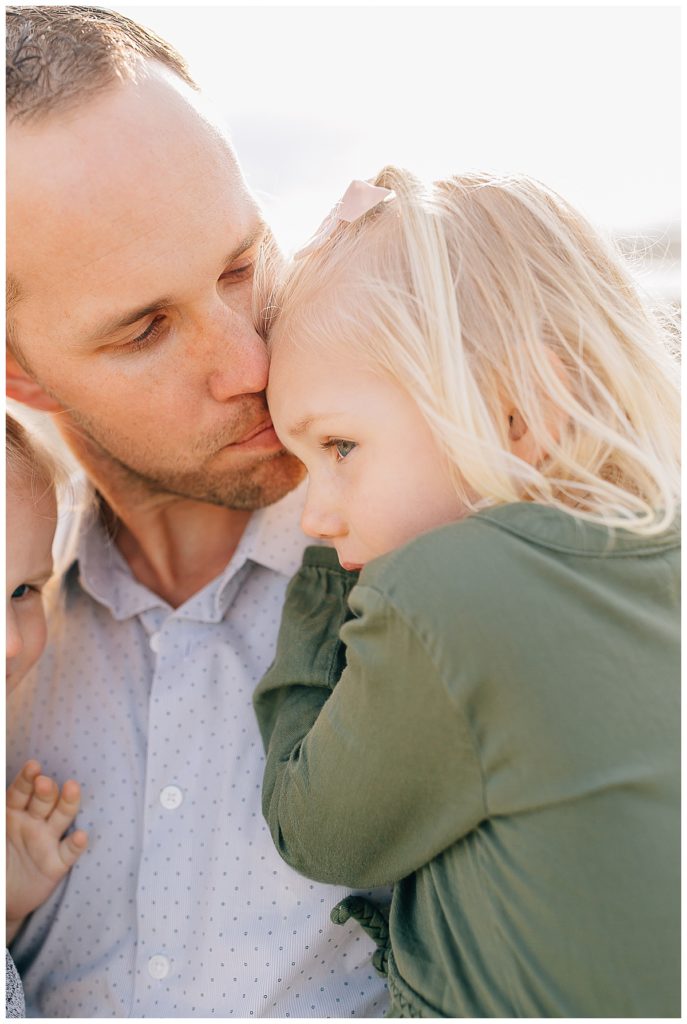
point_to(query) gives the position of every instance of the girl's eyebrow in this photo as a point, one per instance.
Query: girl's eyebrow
(44, 572)
(40, 576)
(302, 425)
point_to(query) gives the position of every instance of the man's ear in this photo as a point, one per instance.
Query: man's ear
(23, 388)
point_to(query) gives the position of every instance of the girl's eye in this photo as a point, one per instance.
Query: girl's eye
(21, 591)
(341, 447)
(344, 448)
(147, 337)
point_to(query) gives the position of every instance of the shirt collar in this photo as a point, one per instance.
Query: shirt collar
(272, 539)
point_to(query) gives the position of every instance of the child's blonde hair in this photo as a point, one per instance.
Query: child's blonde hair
(480, 291)
(30, 462)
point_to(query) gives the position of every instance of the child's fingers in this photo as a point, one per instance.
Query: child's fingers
(66, 808)
(72, 846)
(21, 789)
(45, 794)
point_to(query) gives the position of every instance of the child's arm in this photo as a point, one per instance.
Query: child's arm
(370, 777)
(37, 856)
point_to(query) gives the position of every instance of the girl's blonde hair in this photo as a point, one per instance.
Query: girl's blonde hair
(483, 292)
(29, 462)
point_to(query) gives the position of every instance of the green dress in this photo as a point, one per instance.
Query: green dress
(503, 747)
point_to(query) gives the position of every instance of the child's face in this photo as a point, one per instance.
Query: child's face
(30, 533)
(376, 475)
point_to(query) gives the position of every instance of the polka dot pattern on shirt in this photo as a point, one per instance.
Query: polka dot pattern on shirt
(181, 906)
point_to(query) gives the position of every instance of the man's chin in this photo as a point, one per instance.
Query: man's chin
(251, 488)
(271, 480)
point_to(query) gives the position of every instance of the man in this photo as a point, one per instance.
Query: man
(131, 242)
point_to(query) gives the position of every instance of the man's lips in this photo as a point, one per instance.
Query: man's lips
(261, 436)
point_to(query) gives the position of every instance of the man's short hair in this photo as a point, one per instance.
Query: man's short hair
(56, 56)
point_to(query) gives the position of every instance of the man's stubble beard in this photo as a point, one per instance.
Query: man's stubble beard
(263, 480)
(267, 479)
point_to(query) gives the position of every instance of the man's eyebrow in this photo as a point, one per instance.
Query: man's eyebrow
(116, 323)
(255, 235)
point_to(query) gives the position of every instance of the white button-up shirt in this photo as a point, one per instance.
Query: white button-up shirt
(181, 907)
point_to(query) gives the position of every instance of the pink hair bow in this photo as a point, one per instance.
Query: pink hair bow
(359, 198)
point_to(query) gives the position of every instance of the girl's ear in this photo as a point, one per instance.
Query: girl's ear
(517, 428)
(23, 388)
(522, 443)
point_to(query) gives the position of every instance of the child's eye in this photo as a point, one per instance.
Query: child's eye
(344, 448)
(21, 591)
(341, 447)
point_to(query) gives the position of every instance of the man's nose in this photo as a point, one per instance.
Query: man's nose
(14, 642)
(239, 361)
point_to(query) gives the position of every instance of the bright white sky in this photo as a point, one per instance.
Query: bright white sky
(584, 98)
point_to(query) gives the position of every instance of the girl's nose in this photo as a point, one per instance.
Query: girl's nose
(13, 638)
(321, 523)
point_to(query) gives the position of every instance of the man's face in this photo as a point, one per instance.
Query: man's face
(131, 236)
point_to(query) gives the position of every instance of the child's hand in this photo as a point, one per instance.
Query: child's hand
(37, 857)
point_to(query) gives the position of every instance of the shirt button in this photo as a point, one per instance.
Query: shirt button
(154, 642)
(171, 797)
(158, 966)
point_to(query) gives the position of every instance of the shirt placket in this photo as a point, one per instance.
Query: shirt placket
(161, 903)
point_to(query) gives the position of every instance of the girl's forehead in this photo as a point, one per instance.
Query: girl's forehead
(30, 495)
(312, 363)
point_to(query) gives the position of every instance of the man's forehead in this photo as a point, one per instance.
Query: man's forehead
(86, 200)
(139, 142)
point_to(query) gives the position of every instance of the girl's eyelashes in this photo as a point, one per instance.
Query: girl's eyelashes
(341, 447)
(23, 590)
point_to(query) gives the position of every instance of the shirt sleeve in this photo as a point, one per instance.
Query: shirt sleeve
(370, 777)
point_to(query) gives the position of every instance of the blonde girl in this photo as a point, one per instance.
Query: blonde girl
(487, 718)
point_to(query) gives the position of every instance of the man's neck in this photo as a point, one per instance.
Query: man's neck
(176, 546)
